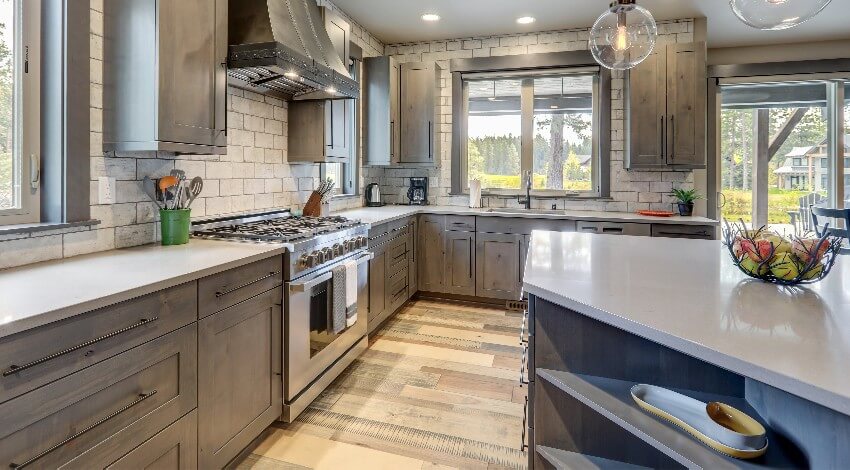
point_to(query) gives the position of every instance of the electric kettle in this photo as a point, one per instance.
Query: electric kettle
(373, 195)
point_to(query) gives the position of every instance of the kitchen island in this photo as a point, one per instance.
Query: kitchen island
(609, 312)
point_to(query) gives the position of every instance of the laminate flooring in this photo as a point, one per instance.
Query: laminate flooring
(437, 389)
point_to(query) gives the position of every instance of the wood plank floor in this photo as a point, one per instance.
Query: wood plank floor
(437, 389)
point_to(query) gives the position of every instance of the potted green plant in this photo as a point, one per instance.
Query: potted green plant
(685, 200)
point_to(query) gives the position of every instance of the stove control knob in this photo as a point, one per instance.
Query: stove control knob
(363, 242)
(338, 251)
(329, 253)
(315, 259)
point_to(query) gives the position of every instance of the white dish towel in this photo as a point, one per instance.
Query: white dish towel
(350, 293)
(475, 193)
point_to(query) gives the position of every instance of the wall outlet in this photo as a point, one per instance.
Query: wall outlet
(105, 190)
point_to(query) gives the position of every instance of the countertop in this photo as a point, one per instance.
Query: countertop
(34, 295)
(687, 295)
(379, 215)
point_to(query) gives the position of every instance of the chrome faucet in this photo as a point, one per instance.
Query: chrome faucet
(529, 181)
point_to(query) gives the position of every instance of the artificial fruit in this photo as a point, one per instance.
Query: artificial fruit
(804, 248)
(784, 267)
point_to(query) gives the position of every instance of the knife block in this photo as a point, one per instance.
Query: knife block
(315, 207)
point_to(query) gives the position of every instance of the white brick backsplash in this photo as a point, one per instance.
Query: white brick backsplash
(89, 241)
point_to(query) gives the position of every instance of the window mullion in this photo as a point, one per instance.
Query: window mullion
(527, 138)
(835, 141)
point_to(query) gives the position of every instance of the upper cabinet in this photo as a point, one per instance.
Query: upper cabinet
(165, 77)
(401, 112)
(381, 140)
(419, 85)
(667, 109)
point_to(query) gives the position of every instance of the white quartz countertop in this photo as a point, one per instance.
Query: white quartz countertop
(687, 295)
(34, 295)
(379, 215)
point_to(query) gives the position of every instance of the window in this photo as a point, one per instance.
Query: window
(546, 123)
(784, 126)
(19, 111)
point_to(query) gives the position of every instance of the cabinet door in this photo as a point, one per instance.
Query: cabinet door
(460, 262)
(686, 104)
(498, 269)
(432, 277)
(412, 235)
(380, 111)
(647, 111)
(239, 377)
(174, 448)
(190, 72)
(377, 289)
(418, 110)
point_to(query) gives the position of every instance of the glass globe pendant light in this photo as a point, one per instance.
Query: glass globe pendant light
(623, 36)
(776, 14)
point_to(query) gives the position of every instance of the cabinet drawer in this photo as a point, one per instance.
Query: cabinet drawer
(396, 284)
(460, 222)
(522, 226)
(174, 448)
(219, 291)
(378, 234)
(702, 232)
(397, 259)
(33, 358)
(614, 228)
(100, 413)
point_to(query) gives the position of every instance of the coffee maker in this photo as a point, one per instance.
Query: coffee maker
(417, 194)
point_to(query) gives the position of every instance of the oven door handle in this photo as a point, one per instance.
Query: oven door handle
(307, 285)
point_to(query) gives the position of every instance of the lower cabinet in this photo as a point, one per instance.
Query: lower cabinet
(377, 287)
(432, 277)
(460, 262)
(498, 259)
(412, 278)
(239, 376)
(174, 448)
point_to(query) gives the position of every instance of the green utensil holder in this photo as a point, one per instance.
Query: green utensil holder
(175, 226)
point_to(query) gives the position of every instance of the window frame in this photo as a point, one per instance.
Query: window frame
(27, 140)
(529, 65)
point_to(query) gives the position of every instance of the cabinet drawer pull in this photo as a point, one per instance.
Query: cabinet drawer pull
(142, 397)
(612, 229)
(14, 369)
(230, 291)
(523, 367)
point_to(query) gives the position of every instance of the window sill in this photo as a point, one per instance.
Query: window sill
(343, 197)
(567, 196)
(43, 227)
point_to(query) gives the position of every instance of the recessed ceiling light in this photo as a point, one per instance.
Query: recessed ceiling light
(525, 20)
(430, 17)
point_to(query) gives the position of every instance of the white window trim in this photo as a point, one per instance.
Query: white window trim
(28, 138)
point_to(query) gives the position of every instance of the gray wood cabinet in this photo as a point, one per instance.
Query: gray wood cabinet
(382, 129)
(614, 228)
(498, 273)
(419, 91)
(667, 109)
(174, 448)
(239, 376)
(412, 277)
(165, 84)
(319, 131)
(460, 262)
(431, 275)
(377, 288)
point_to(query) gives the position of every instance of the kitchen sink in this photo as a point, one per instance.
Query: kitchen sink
(525, 211)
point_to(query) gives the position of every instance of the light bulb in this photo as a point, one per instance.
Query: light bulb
(621, 41)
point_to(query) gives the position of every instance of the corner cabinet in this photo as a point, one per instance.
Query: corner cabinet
(499, 261)
(165, 76)
(667, 109)
(419, 92)
(382, 130)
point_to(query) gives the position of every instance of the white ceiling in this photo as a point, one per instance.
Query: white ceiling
(394, 21)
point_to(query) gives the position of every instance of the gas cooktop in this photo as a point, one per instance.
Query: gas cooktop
(278, 226)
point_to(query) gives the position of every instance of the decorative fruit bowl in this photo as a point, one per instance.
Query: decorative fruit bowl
(764, 255)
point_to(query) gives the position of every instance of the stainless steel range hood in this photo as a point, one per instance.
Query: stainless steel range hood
(281, 47)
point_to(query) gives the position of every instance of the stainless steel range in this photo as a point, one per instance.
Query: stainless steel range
(313, 355)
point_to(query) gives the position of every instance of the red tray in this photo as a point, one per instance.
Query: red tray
(657, 213)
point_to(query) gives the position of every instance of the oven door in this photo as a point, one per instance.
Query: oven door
(311, 346)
